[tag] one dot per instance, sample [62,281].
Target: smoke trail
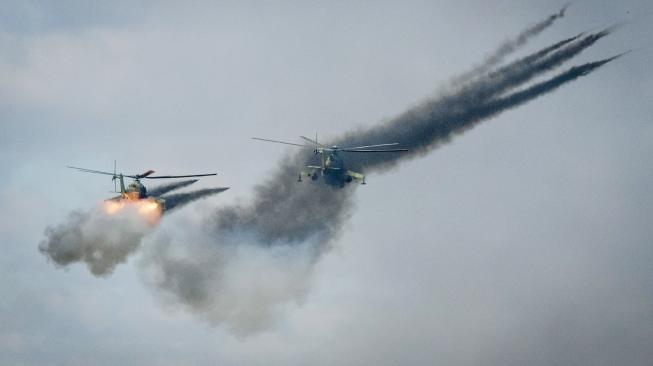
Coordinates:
[177,200]
[233,281]
[287,226]
[438,128]
[509,47]
[168,187]
[517,98]
[242,264]
[434,122]
[101,241]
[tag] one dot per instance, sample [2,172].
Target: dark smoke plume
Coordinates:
[509,47]
[436,121]
[169,187]
[243,263]
[177,200]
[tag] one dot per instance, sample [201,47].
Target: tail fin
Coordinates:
[119,177]
[115,189]
[122,184]
[322,157]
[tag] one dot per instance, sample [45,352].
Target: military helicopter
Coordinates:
[136,192]
[332,167]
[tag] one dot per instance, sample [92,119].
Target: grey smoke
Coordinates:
[436,121]
[99,240]
[177,200]
[215,267]
[508,47]
[169,187]
[237,282]
[241,265]
[104,241]
[500,104]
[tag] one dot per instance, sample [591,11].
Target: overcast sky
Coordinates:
[527,240]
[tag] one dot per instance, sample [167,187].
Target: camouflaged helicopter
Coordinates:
[332,167]
[136,192]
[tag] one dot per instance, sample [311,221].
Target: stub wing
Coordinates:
[311,171]
[355,175]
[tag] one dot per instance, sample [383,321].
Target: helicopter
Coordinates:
[136,193]
[332,167]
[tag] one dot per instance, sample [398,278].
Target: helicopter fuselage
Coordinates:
[332,169]
[135,191]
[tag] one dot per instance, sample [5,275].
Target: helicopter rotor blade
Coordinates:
[314,142]
[145,175]
[374,151]
[278,142]
[366,146]
[178,176]
[149,172]
[90,170]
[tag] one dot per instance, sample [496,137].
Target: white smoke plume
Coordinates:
[106,236]
[99,240]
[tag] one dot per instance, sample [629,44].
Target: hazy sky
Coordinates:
[527,240]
